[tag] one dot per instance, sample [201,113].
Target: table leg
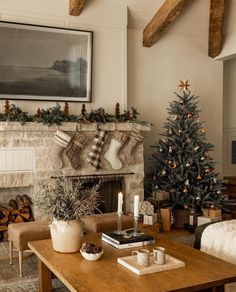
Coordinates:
[45,277]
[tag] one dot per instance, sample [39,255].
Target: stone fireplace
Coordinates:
[30,145]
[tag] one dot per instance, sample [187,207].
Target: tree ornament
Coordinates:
[203,158]
[170,131]
[185,190]
[66,109]
[174,165]
[163,172]
[189,115]
[179,131]
[184,85]
[170,149]
[187,164]
[198,198]
[214,180]
[199,177]
[187,182]
[161,150]
[196,148]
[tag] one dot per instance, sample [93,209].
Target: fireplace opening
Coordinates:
[109,190]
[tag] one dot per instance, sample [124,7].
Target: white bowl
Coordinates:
[91,256]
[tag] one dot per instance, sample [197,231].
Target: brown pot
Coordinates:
[181,218]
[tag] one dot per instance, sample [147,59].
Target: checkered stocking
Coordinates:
[77,144]
[94,155]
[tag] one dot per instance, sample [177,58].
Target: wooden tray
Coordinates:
[131,264]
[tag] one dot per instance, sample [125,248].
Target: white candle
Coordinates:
[136,203]
[120,202]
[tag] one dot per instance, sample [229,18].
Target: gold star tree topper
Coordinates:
[184,85]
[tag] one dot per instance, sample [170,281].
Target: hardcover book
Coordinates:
[123,241]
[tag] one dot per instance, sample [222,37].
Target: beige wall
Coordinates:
[154,73]
[229,116]
[108,20]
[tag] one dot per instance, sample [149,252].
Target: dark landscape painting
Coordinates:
[44,63]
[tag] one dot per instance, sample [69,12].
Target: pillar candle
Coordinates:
[136,203]
[120,202]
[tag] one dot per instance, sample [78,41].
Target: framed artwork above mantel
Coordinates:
[45,63]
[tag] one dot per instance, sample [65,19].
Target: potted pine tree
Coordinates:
[182,164]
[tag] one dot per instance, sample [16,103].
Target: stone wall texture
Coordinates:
[40,137]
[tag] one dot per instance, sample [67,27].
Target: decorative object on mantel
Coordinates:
[116,143]
[17,211]
[61,140]
[77,143]
[135,138]
[66,201]
[98,142]
[54,115]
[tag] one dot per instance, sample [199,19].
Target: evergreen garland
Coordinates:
[56,115]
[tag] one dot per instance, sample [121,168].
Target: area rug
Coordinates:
[187,239]
[9,274]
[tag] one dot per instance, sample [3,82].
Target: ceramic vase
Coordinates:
[66,235]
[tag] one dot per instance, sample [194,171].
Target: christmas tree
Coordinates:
[182,162]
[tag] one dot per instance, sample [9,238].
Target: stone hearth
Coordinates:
[40,138]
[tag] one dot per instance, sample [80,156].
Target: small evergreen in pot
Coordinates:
[66,202]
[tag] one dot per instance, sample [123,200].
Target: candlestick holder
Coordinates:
[119,223]
[136,232]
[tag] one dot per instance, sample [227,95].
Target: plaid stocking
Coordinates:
[111,155]
[94,155]
[135,138]
[61,140]
[77,144]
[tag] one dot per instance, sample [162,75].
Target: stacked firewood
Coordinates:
[18,211]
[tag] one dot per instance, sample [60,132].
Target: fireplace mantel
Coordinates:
[39,137]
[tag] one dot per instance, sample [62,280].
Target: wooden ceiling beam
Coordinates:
[164,16]
[216,23]
[76,7]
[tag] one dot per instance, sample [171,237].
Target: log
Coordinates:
[19,202]
[27,201]
[19,219]
[12,203]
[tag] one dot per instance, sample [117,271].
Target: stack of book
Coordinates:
[123,241]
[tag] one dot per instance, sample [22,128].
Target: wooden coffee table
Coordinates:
[201,271]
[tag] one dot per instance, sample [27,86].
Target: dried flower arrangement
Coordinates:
[66,199]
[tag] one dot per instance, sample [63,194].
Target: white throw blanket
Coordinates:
[219,240]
